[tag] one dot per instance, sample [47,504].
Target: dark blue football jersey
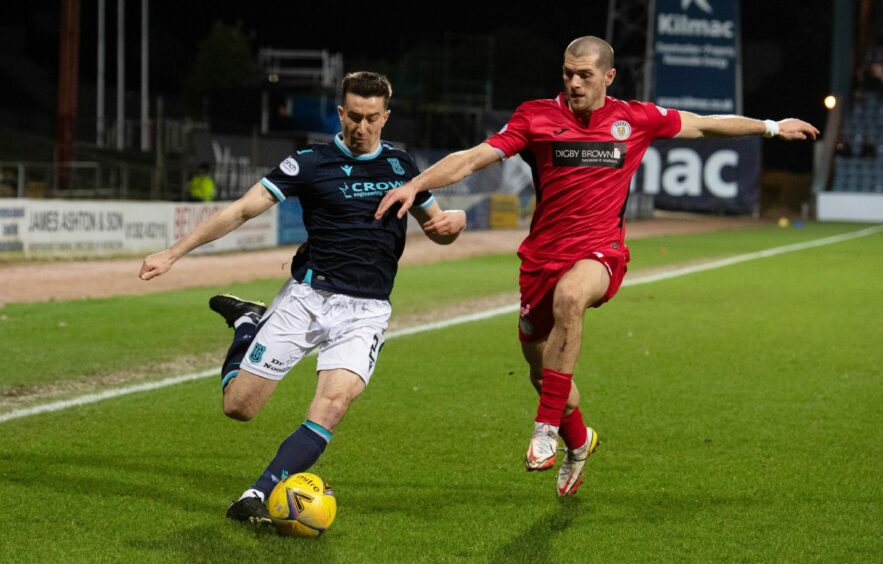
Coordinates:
[347,251]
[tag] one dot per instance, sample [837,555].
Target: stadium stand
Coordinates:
[858,161]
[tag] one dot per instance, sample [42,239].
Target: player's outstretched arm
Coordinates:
[251,204]
[451,169]
[694,126]
[441,226]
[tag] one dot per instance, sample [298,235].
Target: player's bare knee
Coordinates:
[328,411]
[235,408]
[238,413]
[568,306]
[338,407]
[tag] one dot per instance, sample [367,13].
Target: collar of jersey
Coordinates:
[338,140]
[561,100]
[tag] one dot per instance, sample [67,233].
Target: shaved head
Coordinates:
[590,45]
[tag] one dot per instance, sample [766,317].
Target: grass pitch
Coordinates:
[738,409]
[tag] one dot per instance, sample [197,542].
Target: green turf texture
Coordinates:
[106,336]
[739,411]
[75,340]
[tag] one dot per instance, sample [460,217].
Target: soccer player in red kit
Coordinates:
[583,148]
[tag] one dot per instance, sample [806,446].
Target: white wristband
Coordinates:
[772,128]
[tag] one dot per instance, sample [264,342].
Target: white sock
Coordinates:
[538,427]
[241,320]
[251,492]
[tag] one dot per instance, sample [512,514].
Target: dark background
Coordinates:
[786,45]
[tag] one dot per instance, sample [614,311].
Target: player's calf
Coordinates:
[297,453]
[336,389]
[245,395]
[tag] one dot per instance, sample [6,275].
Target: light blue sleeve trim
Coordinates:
[428,202]
[273,189]
[319,430]
[308,277]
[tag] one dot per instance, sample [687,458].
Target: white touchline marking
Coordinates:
[107,394]
[711,265]
[633,281]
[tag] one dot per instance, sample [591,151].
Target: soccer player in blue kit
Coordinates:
[338,296]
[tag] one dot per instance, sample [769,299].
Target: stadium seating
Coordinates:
[858,166]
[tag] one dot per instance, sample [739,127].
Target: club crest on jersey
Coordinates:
[621,130]
[396,166]
[289,166]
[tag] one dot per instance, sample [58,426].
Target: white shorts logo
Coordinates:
[289,166]
[621,130]
[348,332]
[662,111]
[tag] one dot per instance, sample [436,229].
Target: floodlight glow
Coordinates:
[830,102]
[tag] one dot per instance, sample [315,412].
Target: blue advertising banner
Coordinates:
[715,175]
[696,56]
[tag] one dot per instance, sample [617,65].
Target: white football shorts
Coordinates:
[347,330]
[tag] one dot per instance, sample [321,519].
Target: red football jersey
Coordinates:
[581,171]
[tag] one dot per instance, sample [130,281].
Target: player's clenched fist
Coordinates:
[156,264]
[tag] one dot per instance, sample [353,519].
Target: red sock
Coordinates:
[573,430]
[553,397]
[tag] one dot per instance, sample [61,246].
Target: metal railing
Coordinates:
[117,181]
[175,134]
[86,179]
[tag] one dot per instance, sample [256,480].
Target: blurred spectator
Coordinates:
[868,150]
[842,148]
[876,72]
[202,186]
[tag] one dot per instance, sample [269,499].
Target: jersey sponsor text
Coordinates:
[588,153]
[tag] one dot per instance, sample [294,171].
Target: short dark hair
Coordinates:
[591,45]
[366,84]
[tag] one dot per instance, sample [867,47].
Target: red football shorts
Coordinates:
[537,280]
